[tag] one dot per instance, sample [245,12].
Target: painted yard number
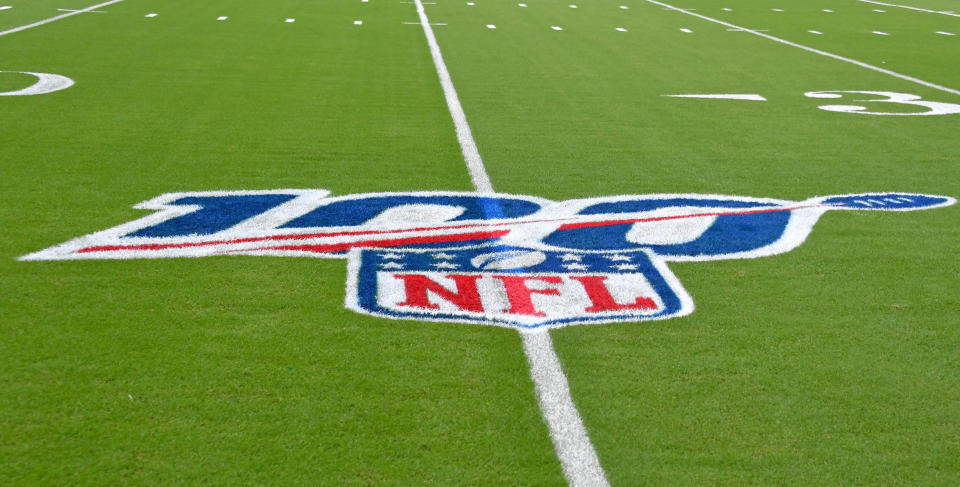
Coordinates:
[875,99]
[880,97]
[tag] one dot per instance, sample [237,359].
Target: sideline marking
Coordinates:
[944,33]
[478,173]
[570,440]
[813,50]
[58,17]
[941,12]
[722,97]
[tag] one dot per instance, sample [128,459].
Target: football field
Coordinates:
[485,242]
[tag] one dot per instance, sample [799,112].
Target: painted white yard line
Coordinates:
[952,14]
[577,457]
[813,50]
[570,440]
[478,173]
[58,17]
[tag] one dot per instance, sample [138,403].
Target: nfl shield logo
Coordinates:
[513,287]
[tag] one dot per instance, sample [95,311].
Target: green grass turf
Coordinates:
[239,370]
[832,364]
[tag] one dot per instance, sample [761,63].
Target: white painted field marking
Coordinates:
[573,6]
[290,21]
[478,173]
[554,27]
[918,9]
[621,29]
[577,457]
[879,33]
[491,26]
[222,17]
[750,97]
[522,5]
[574,449]
[813,50]
[742,30]
[58,17]
[943,33]
[5,7]
[81,12]
[686,30]
[46,83]
[727,9]
[777,9]
[151,15]
[817,32]
[827,10]
[886,97]
[357,22]
[879,10]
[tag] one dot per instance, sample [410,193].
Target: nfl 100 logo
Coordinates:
[496,259]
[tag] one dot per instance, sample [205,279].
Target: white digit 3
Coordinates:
[46,83]
[934,107]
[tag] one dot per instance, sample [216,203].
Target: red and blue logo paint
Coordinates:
[496,259]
